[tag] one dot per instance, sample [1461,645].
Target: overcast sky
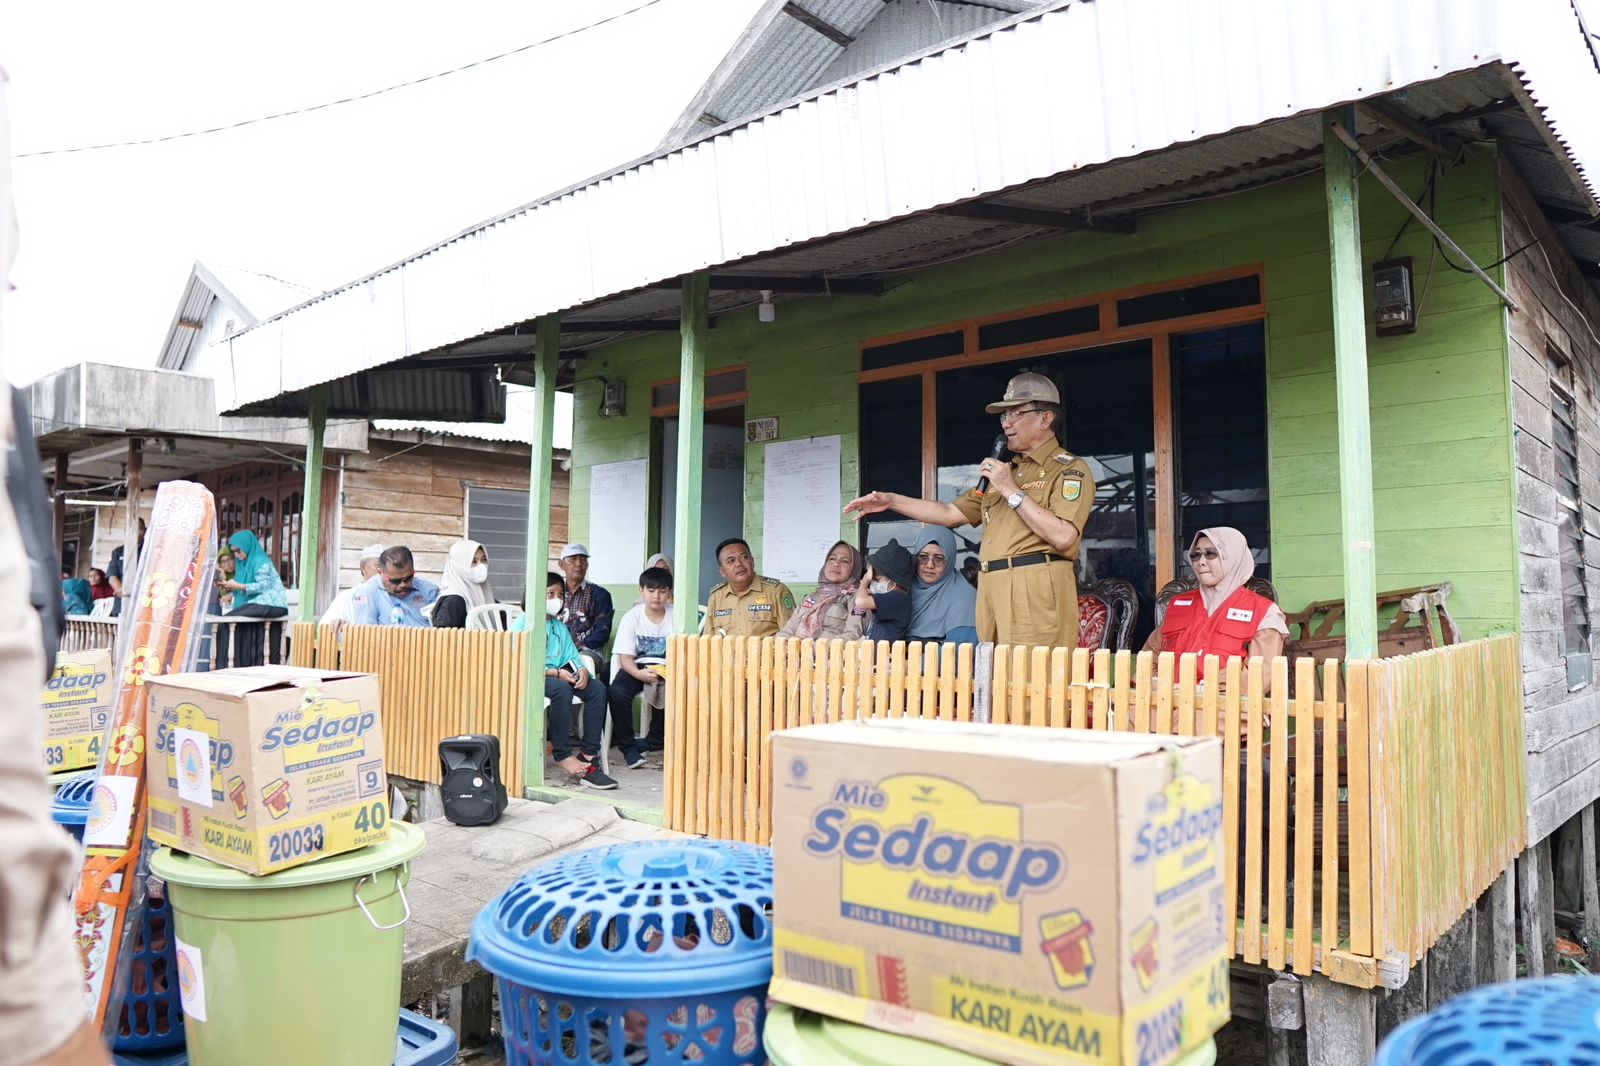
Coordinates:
[108,237]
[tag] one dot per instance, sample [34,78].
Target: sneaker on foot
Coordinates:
[634,759]
[593,778]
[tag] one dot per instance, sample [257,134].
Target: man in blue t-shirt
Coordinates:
[395,595]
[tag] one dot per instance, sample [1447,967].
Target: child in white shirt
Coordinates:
[640,644]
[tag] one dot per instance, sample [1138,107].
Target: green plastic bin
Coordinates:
[800,1038]
[301,966]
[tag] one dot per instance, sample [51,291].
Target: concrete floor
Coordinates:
[638,790]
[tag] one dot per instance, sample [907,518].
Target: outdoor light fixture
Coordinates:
[767,312]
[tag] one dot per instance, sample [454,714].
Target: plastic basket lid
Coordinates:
[1520,1023]
[651,919]
[421,1042]
[71,805]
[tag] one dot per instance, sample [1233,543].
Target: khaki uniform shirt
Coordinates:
[760,611]
[1036,604]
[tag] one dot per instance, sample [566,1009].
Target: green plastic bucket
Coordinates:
[301,966]
[800,1038]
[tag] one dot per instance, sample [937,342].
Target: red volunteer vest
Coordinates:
[1188,628]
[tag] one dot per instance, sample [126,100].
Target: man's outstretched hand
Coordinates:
[871,503]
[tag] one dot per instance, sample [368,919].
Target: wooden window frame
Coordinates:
[732,399]
[1158,333]
[1562,393]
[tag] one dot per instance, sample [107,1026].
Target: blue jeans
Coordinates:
[561,694]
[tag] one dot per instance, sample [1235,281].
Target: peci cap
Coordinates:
[574,549]
[1026,388]
[895,563]
[372,552]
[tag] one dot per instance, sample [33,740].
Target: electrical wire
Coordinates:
[294,112]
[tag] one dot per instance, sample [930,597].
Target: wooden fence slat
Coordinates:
[1019,685]
[947,682]
[1357,745]
[763,744]
[1122,682]
[930,679]
[1166,677]
[1305,814]
[1231,798]
[964,683]
[1000,704]
[1078,691]
[1206,725]
[1142,692]
[1060,685]
[910,682]
[1328,714]
[1099,692]
[1187,667]
[1278,847]
[897,679]
[672,730]
[1255,804]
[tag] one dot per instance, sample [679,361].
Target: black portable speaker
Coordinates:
[470,784]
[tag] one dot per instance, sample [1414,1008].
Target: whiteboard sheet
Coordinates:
[618,510]
[801,516]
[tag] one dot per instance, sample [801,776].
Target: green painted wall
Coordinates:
[1441,444]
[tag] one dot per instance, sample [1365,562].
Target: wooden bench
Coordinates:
[1421,621]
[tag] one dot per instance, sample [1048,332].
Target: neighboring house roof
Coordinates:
[792,46]
[1081,115]
[233,298]
[516,429]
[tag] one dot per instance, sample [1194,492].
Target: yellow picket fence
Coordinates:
[1331,860]
[436,683]
[1449,785]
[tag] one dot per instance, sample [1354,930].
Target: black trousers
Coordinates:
[253,640]
[625,688]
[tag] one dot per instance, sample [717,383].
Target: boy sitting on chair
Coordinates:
[639,653]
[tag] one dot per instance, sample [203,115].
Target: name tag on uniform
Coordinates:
[1239,614]
[1183,603]
[756,608]
[725,612]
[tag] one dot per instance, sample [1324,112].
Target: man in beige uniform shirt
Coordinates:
[745,604]
[42,1008]
[1032,517]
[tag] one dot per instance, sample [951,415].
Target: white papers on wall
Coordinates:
[619,502]
[800,518]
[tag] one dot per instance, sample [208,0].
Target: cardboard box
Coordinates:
[1028,895]
[76,702]
[266,767]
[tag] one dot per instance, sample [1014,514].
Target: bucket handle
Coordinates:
[400,884]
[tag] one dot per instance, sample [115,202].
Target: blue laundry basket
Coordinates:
[1553,1020]
[421,1042]
[658,952]
[152,1012]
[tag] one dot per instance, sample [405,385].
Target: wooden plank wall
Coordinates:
[1563,727]
[436,683]
[402,494]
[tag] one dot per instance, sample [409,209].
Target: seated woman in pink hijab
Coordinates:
[1222,617]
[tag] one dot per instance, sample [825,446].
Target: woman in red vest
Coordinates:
[1222,617]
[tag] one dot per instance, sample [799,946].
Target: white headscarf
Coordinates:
[457,577]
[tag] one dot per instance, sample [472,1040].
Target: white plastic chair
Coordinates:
[577,719]
[102,608]
[493,617]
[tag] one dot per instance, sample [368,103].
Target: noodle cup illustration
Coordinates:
[1068,948]
[238,796]
[1143,953]
[275,797]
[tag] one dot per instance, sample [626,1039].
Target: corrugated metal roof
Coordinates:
[516,429]
[244,296]
[1117,98]
[902,28]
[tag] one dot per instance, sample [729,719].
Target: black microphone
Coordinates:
[999,451]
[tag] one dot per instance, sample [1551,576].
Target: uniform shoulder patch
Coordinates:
[787,599]
[717,588]
[1071,488]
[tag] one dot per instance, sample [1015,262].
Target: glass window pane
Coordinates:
[1040,327]
[891,448]
[1195,300]
[915,350]
[1221,408]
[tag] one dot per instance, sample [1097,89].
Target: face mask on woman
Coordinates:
[878,588]
[479,573]
[552,606]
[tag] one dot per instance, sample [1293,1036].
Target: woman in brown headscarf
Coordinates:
[1222,617]
[829,612]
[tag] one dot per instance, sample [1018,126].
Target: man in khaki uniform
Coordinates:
[1032,517]
[745,604]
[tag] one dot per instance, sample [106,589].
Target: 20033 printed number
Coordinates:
[295,843]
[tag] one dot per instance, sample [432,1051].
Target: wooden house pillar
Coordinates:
[546,362]
[693,326]
[1350,382]
[311,502]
